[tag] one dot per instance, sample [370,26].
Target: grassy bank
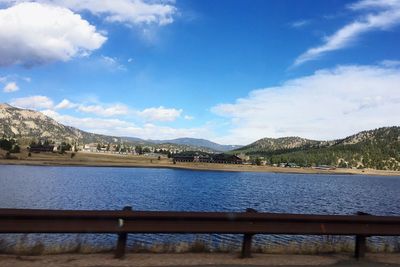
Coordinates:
[328,245]
[116,160]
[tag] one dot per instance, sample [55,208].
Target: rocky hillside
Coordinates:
[24,124]
[27,125]
[378,149]
[198,143]
[283,144]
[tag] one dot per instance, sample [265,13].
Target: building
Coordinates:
[183,158]
[90,147]
[204,157]
[227,159]
[292,165]
[41,148]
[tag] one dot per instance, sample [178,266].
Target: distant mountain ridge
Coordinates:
[197,143]
[29,124]
[378,149]
[279,144]
[25,124]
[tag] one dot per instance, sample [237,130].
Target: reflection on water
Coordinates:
[185,190]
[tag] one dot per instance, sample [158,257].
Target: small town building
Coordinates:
[210,158]
[227,159]
[90,147]
[183,158]
[42,148]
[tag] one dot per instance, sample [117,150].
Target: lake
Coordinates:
[186,190]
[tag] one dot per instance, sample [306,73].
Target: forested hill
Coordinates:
[377,149]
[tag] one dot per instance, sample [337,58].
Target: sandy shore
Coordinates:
[191,259]
[115,160]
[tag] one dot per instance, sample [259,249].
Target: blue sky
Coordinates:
[229,71]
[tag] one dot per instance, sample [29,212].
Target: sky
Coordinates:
[228,71]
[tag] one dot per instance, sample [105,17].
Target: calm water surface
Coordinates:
[185,190]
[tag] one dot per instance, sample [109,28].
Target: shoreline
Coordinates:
[129,161]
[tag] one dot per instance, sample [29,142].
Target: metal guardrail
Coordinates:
[248,223]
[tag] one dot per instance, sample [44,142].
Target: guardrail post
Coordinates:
[247,240]
[361,246]
[361,242]
[122,238]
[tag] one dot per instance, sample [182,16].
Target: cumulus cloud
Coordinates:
[65,104]
[96,125]
[329,104]
[99,121]
[131,12]
[10,87]
[33,102]
[160,114]
[380,15]
[112,110]
[36,33]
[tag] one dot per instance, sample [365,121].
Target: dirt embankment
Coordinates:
[195,259]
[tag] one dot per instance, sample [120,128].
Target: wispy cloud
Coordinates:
[300,23]
[378,15]
[390,63]
[112,63]
[188,117]
[10,87]
[329,104]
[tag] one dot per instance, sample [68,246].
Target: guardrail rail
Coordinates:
[247,223]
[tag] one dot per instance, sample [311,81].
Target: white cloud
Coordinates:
[116,127]
[300,23]
[112,63]
[160,114]
[10,87]
[328,104]
[372,4]
[390,63]
[35,33]
[131,12]
[33,102]
[188,117]
[96,125]
[65,104]
[163,132]
[386,14]
[113,126]
[113,110]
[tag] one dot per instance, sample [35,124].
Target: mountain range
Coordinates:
[25,125]
[378,148]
